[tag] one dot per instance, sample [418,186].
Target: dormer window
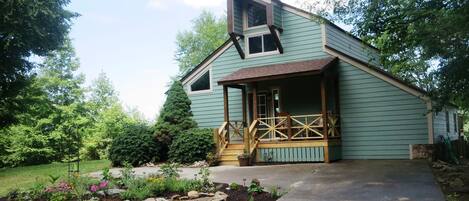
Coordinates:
[261,44]
[256,14]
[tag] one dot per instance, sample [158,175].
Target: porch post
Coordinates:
[225,104]
[324,106]
[243,97]
[324,116]
[254,101]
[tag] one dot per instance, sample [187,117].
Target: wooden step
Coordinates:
[232,151]
[231,162]
[231,157]
[235,146]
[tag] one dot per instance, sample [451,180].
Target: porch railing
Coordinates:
[299,127]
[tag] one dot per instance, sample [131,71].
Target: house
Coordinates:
[289,86]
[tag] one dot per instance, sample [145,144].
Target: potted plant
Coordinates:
[244,159]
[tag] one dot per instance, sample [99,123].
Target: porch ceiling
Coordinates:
[277,71]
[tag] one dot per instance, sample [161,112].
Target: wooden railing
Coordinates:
[299,127]
[252,140]
[225,132]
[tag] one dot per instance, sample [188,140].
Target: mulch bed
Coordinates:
[453,179]
[241,194]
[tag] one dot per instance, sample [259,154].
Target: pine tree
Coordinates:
[175,116]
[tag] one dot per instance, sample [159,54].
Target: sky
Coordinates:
[133,42]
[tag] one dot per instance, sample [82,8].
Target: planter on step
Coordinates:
[244,160]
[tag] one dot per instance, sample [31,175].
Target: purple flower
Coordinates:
[103,184]
[94,188]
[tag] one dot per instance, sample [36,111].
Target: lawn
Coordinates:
[24,177]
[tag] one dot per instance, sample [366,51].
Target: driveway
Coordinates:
[358,180]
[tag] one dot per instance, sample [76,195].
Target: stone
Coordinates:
[184,198]
[161,199]
[175,197]
[115,191]
[150,199]
[219,196]
[456,183]
[193,194]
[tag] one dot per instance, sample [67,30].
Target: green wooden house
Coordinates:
[289,86]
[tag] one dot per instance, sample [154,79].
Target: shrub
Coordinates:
[191,146]
[137,189]
[170,170]
[181,185]
[136,146]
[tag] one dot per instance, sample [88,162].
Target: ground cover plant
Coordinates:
[30,176]
[166,184]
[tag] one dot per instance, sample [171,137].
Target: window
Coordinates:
[202,83]
[257,14]
[447,122]
[455,122]
[262,43]
[276,102]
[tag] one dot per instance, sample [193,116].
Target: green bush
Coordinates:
[191,146]
[136,146]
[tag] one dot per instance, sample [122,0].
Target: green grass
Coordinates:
[25,177]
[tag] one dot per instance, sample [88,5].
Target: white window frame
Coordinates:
[245,18]
[189,89]
[246,42]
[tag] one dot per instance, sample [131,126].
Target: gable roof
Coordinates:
[307,14]
[277,71]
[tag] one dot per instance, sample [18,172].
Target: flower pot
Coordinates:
[244,161]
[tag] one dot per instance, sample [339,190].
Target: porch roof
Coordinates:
[277,71]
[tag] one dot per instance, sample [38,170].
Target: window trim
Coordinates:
[455,122]
[246,44]
[448,129]
[189,89]
[245,18]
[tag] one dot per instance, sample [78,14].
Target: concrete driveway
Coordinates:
[358,180]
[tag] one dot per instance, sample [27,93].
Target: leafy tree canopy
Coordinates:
[193,46]
[27,28]
[426,42]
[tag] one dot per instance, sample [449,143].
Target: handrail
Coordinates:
[253,141]
[222,138]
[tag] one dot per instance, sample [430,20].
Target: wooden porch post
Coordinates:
[243,97]
[254,101]
[225,104]
[324,116]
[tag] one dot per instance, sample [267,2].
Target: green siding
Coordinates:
[238,16]
[347,44]
[301,40]
[439,124]
[378,120]
[277,16]
[289,155]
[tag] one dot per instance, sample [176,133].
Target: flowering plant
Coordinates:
[103,185]
[61,187]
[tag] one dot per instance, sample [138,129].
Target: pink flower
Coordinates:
[103,184]
[94,188]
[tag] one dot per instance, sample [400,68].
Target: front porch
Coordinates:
[290,113]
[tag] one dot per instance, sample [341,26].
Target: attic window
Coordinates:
[261,43]
[257,14]
[202,83]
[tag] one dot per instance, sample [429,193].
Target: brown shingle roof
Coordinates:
[276,71]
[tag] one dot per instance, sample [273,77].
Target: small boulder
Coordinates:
[175,197]
[150,199]
[456,183]
[219,196]
[193,194]
[161,199]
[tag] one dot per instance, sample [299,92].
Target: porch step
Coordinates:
[230,154]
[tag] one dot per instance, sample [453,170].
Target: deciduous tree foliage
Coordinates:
[207,34]
[27,28]
[176,115]
[426,42]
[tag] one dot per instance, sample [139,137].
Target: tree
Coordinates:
[26,28]
[175,117]
[424,42]
[207,34]
[103,95]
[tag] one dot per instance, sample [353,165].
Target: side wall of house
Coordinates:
[347,44]
[378,120]
[301,40]
[439,124]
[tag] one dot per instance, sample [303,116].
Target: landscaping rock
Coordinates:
[115,191]
[456,183]
[220,196]
[161,199]
[199,164]
[175,197]
[193,194]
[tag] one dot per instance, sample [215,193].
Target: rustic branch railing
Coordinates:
[222,137]
[307,127]
[273,128]
[253,141]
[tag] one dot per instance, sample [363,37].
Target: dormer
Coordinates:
[262,17]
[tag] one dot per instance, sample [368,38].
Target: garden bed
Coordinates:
[453,179]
